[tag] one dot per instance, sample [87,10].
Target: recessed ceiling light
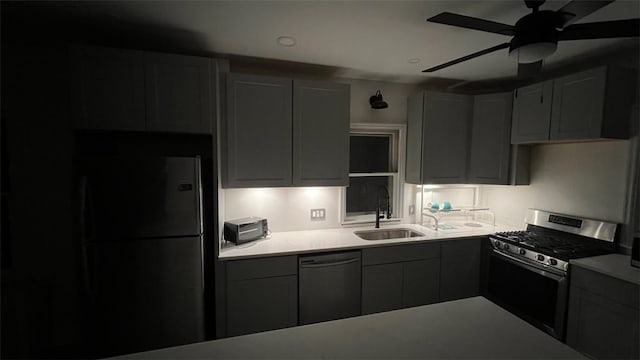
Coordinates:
[286,41]
[414,61]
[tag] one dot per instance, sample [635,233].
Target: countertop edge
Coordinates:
[351,242]
[611,265]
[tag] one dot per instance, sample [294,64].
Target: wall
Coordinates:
[394,94]
[583,179]
[287,209]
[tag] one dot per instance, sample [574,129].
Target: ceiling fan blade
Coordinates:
[529,70]
[468,57]
[577,9]
[601,30]
[468,22]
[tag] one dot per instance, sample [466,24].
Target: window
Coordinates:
[374,172]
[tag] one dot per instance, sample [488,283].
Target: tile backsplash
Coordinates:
[286,209]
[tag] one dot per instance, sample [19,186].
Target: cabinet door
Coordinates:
[445,137]
[421,282]
[413,169]
[601,328]
[381,288]
[532,113]
[107,88]
[578,103]
[320,133]
[258,142]
[490,139]
[178,93]
[460,269]
[256,305]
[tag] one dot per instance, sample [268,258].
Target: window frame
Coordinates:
[397,157]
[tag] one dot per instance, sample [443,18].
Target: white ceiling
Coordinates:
[365,39]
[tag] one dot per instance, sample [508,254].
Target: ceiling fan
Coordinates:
[535,36]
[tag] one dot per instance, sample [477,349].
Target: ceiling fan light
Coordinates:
[530,53]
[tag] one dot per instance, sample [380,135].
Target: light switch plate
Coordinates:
[412,209]
[318,214]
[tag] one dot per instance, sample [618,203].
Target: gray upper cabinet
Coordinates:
[445,137]
[413,169]
[178,93]
[592,104]
[320,133]
[284,132]
[258,131]
[107,89]
[532,113]
[443,121]
[117,89]
[490,139]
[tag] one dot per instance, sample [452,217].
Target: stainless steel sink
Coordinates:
[384,234]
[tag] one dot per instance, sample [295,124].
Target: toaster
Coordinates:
[244,230]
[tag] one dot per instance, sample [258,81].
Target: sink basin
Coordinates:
[384,234]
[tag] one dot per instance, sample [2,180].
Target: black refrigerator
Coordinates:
[142,252]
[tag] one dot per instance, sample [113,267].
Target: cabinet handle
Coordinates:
[541,98]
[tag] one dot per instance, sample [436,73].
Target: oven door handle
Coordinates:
[531,267]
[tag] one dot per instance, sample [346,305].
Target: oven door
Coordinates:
[530,291]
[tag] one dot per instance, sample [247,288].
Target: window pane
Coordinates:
[362,193]
[369,153]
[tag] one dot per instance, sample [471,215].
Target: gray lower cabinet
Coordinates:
[604,316]
[179,93]
[261,294]
[444,120]
[420,282]
[107,88]
[460,269]
[320,133]
[532,113]
[118,89]
[490,139]
[257,148]
[395,277]
[382,287]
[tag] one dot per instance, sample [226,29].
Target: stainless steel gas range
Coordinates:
[527,271]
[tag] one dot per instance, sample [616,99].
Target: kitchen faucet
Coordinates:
[386,194]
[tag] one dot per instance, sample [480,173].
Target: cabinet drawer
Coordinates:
[400,253]
[262,268]
[611,288]
[462,248]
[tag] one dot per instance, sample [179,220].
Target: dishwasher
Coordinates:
[329,286]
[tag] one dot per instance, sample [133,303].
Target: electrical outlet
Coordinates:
[318,214]
[412,209]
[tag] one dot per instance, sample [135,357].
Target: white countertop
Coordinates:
[614,265]
[473,328]
[297,242]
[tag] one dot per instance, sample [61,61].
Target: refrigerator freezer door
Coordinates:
[144,197]
[147,294]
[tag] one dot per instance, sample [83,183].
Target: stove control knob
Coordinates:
[523,251]
[540,258]
[505,246]
[553,261]
[496,243]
